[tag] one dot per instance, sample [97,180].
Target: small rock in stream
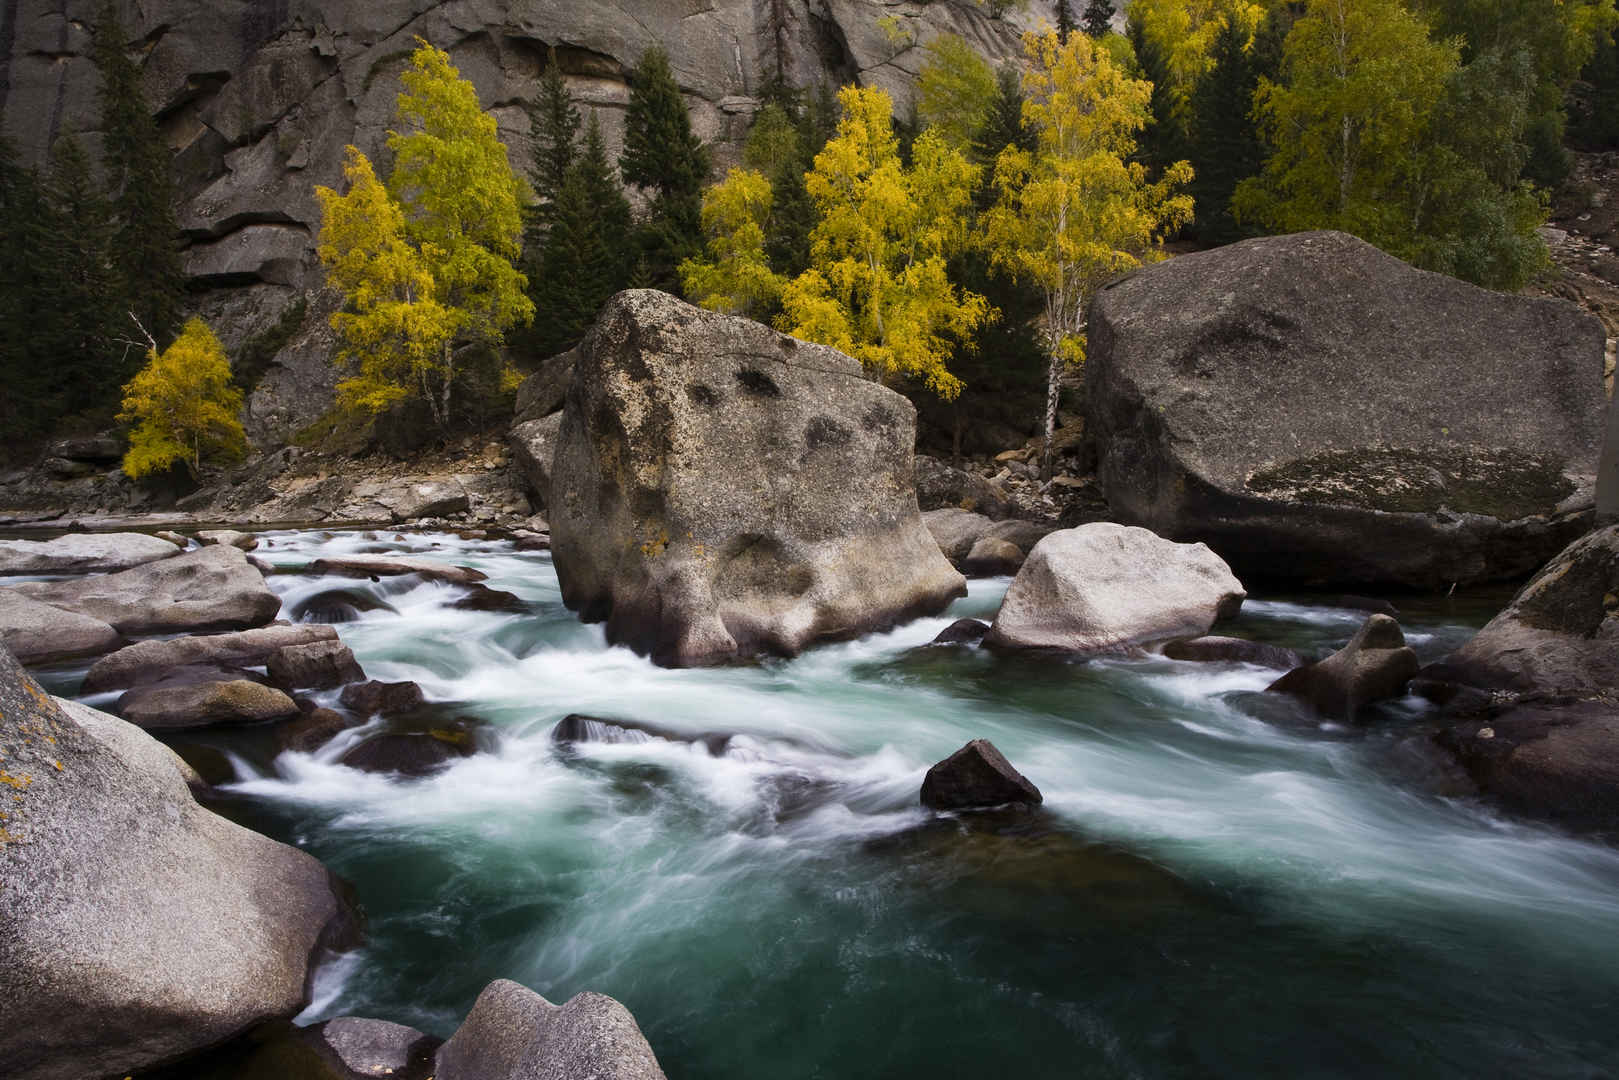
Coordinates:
[975,777]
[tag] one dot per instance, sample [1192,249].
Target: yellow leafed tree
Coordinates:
[736,276]
[1077,211]
[426,264]
[183,406]
[877,287]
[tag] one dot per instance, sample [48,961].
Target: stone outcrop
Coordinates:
[512,1033]
[1110,588]
[534,446]
[212,588]
[1375,665]
[959,531]
[83,553]
[37,633]
[722,491]
[1316,410]
[145,661]
[258,101]
[975,777]
[138,927]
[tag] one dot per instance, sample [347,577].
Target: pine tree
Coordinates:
[589,254]
[555,122]
[1098,17]
[1164,141]
[139,178]
[1065,19]
[25,230]
[661,155]
[1224,146]
[89,363]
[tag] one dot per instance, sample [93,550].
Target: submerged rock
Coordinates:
[513,1033]
[212,588]
[974,777]
[372,697]
[337,606]
[312,730]
[410,754]
[1375,665]
[1233,650]
[1105,588]
[37,633]
[578,728]
[722,491]
[83,553]
[1293,401]
[148,660]
[138,926]
[962,632]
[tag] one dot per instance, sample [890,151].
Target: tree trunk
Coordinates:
[1053,391]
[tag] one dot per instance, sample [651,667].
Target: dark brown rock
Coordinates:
[962,632]
[371,698]
[323,665]
[991,557]
[411,754]
[1233,650]
[381,566]
[312,730]
[974,777]
[1374,666]
[191,705]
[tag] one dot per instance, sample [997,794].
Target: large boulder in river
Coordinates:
[1109,588]
[724,491]
[186,700]
[135,926]
[1319,411]
[212,588]
[976,777]
[83,553]
[1375,665]
[512,1033]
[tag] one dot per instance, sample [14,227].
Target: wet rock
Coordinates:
[83,553]
[962,632]
[229,537]
[1374,666]
[338,606]
[534,444]
[578,728]
[1300,413]
[483,598]
[1233,651]
[412,754]
[147,660]
[379,566]
[138,927]
[388,699]
[376,1048]
[40,634]
[322,665]
[722,491]
[1102,588]
[513,1033]
[312,730]
[990,557]
[212,588]
[174,706]
[974,777]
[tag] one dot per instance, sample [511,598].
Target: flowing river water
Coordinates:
[1216,886]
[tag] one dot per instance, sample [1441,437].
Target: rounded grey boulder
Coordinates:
[1109,588]
[721,491]
[83,553]
[136,926]
[513,1033]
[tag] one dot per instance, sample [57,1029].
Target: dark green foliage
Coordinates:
[1164,141]
[1003,124]
[1224,145]
[786,135]
[661,155]
[1098,14]
[1594,100]
[24,224]
[555,122]
[137,167]
[587,254]
[1065,19]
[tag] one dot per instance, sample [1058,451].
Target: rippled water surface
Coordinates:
[1217,885]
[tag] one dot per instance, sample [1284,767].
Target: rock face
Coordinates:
[37,633]
[534,446]
[1318,411]
[974,777]
[722,491]
[513,1033]
[1375,665]
[259,100]
[146,660]
[82,553]
[1106,588]
[128,903]
[213,588]
[376,1047]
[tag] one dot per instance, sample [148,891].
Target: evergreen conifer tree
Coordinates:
[555,121]
[137,169]
[1098,17]
[1065,19]
[1164,141]
[662,156]
[24,234]
[88,364]
[1224,145]
[587,255]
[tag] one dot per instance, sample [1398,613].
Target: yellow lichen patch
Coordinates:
[655,546]
[15,782]
[58,765]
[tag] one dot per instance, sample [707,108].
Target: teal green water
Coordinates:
[1205,894]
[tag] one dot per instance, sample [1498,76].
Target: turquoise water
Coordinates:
[1215,887]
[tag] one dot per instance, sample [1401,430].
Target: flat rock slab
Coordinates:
[512,1033]
[146,660]
[83,553]
[37,633]
[138,927]
[1318,411]
[213,588]
[379,566]
[1108,588]
[173,708]
[975,777]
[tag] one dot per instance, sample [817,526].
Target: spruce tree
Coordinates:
[89,364]
[1065,19]
[1164,141]
[588,253]
[1224,145]
[662,156]
[138,176]
[555,123]
[25,227]
[1098,17]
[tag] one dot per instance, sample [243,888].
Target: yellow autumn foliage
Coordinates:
[183,406]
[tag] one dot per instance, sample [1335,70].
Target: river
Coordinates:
[1216,886]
